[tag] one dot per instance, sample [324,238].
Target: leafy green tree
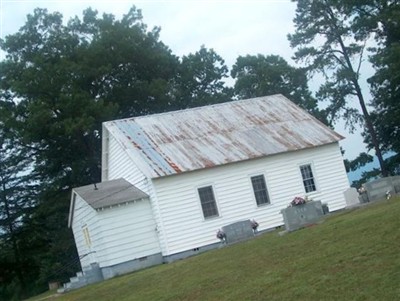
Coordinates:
[200,80]
[57,115]
[383,18]
[18,190]
[123,63]
[69,79]
[379,19]
[325,41]
[265,75]
[64,81]
[373,17]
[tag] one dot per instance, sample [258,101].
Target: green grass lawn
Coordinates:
[352,255]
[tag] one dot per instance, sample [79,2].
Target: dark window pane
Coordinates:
[260,189]
[207,200]
[308,178]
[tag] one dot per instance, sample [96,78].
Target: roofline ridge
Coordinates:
[194,108]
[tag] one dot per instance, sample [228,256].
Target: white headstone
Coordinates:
[351,196]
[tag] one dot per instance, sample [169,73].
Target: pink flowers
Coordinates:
[297,201]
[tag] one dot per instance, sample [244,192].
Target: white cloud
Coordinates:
[232,28]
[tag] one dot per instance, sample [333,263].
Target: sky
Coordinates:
[232,28]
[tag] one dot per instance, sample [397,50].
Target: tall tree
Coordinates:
[68,79]
[325,41]
[200,80]
[265,75]
[17,200]
[124,63]
[381,17]
[64,81]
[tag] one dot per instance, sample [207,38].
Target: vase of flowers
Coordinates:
[221,235]
[254,226]
[297,201]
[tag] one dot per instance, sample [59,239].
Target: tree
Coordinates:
[64,81]
[199,80]
[17,200]
[69,79]
[379,19]
[265,75]
[325,41]
[382,17]
[124,63]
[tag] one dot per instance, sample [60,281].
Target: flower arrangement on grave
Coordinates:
[254,225]
[221,235]
[298,201]
[361,190]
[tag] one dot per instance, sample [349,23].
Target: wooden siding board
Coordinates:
[140,237]
[125,165]
[155,204]
[104,153]
[129,232]
[85,215]
[184,224]
[125,216]
[121,166]
[118,227]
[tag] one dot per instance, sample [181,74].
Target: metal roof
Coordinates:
[110,193]
[187,140]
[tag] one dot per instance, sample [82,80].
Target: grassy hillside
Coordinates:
[353,255]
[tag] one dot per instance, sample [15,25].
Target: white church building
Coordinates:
[171,180]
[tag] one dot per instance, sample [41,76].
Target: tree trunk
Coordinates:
[371,130]
[367,117]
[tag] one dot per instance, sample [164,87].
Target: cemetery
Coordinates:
[303,213]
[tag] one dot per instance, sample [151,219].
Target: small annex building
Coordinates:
[171,180]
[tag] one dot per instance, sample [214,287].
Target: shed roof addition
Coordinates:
[197,138]
[110,193]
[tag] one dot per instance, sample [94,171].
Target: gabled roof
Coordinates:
[105,194]
[109,193]
[192,139]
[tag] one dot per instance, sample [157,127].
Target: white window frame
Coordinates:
[314,177]
[215,201]
[86,236]
[254,192]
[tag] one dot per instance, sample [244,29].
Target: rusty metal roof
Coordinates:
[203,137]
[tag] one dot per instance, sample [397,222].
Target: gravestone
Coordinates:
[396,184]
[238,231]
[299,216]
[363,197]
[377,189]
[351,196]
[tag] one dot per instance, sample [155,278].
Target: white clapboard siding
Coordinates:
[129,232]
[85,216]
[120,164]
[184,226]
